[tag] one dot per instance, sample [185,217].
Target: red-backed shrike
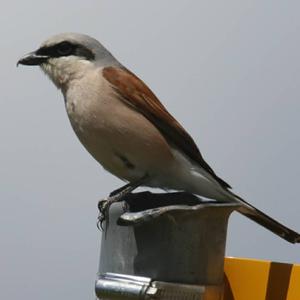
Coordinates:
[125,127]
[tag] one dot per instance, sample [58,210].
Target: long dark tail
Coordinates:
[264,220]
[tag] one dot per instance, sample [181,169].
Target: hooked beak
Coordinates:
[32,59]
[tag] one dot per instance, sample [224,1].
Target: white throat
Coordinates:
[63,70]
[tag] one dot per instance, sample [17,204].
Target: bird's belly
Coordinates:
[113,158]
[122,140]
[116,153]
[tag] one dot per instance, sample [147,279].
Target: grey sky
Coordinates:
[228,70]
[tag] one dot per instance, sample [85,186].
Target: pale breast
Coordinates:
[122,140]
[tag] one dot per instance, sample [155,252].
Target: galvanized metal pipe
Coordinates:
[178,244]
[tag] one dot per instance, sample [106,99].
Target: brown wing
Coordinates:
[135,93]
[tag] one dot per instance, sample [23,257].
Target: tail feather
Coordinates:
[266,221]
[199,181]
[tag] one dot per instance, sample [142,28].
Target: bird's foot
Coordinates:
[116,196]
[104,206]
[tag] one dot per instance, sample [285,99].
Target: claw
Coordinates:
[100,222]
[103,206]
[116,196]
[101,216]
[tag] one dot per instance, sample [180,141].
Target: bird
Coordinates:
[126,128]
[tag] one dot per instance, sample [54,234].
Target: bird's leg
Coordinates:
[117,191]
[115,196]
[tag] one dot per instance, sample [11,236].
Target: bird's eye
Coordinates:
[64,48]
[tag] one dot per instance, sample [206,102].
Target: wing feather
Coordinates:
[135,93]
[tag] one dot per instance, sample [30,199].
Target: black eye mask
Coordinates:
[66,49]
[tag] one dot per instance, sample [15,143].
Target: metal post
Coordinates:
[164,251]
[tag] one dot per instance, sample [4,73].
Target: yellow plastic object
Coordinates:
[249,279]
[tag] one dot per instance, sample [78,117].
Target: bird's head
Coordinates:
[67,56]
